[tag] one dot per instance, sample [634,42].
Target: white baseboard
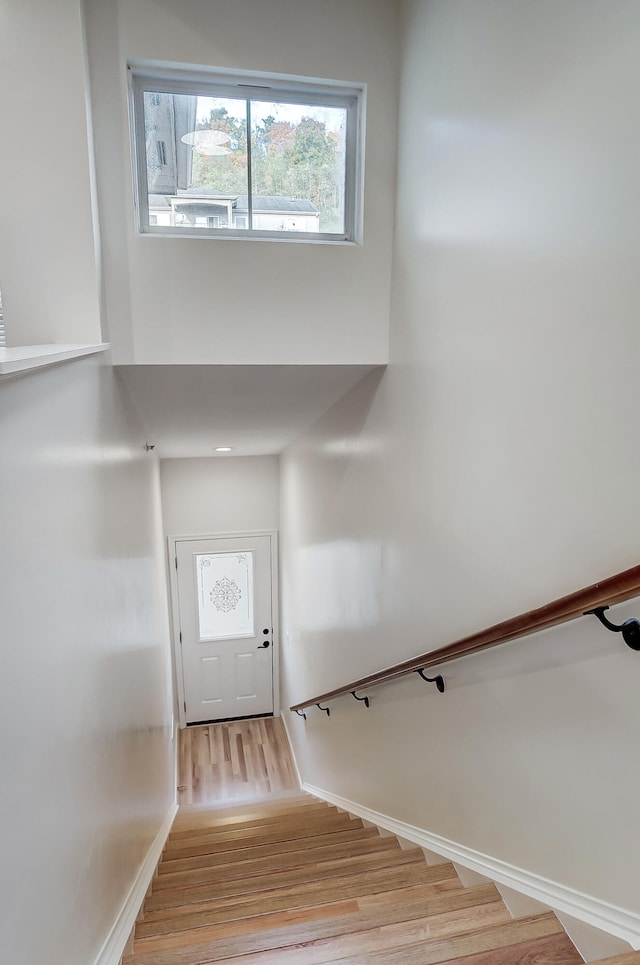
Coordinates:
[293,756]
[616,921]
[176,762]
[113,948]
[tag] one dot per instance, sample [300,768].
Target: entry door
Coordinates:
[225,613]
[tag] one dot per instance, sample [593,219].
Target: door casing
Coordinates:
[175,615]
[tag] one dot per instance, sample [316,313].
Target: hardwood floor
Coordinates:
[289,880]
[240,760]
[256,872]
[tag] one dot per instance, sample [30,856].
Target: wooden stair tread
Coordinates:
[195,815]
[234,841]
[549,950]
[627,958]
[380,939]
[275,849]
[274,863]
[553,950]
[296,896]
[407,893]
[363,914]
[229,934]
[334,875]
[204,913]
[455,947]
[236,832]
[291,880]
[411,898]
[289,846]
[237,822]
[273,878]
[226,944]
[396,935]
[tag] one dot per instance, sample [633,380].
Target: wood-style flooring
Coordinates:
[240,760]
[255,872]
[294,881]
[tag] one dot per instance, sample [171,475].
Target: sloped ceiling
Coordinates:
[188,410]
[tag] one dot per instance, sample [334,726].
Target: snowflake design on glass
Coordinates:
[225,595]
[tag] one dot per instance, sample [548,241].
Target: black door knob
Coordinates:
[263,646]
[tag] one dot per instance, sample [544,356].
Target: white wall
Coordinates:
[493,468]
[48,274]
[219,495]
[206,301]
[85,703]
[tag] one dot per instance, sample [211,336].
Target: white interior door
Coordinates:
[226,626]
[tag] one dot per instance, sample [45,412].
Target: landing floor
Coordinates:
[241,760]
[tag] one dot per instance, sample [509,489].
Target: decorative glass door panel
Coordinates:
[225,595]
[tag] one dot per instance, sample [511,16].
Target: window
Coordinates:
[230,155]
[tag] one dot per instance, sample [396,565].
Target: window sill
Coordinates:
[283,238]
[27,357]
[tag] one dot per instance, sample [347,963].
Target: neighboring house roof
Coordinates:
[261,202]
[275,202]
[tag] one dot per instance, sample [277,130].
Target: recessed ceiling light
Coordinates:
[223,449]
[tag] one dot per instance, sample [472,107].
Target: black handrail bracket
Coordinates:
[630,629]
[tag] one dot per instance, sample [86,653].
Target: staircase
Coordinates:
[294,880]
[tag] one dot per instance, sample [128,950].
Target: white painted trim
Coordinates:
[175,629]
[621,922]
[113,948]
[275,600]
[176,759]
[238,534]
[26,357]
[175,611]
[293,756]
[215,82]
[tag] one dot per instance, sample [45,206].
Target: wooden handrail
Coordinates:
[616,589]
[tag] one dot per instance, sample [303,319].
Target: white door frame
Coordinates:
[175,613]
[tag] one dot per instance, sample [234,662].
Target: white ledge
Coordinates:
[25,357]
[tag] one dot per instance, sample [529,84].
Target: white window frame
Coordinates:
[167,78]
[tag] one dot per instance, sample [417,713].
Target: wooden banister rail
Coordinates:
[616,589]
